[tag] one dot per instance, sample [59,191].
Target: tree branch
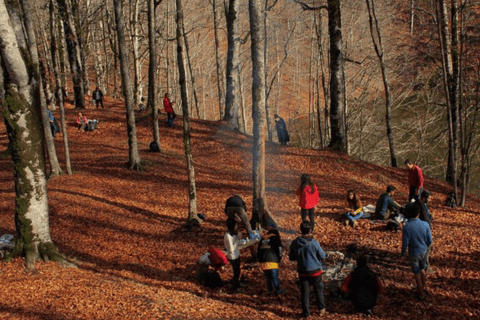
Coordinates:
[309,7]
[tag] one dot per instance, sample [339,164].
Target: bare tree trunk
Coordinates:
[65,9]
[220,94]
[26,144]
[152,68]
[337,78]
[258,110]
[55,168]
[137,67]
[233,38]
[58,85]
[192,190]
[377,43]
[134,162]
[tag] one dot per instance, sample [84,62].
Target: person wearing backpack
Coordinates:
[307,192]
[269,254]
[231,241]
[309,256]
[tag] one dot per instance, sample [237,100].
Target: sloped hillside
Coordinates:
[124,230]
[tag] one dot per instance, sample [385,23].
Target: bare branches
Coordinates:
[306,6]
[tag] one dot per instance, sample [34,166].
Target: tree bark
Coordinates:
[22,118]
[337,78]
[192,190]
[134,162]
[220,94]
[257,28]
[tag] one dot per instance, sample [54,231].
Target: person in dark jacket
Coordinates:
[386,204]
[309,256]
[269,254]
[235,206]
[427,217]
[363,286]
[97,95]
[282,132]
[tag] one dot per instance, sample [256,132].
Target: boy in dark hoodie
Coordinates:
[309,256]
[269,254]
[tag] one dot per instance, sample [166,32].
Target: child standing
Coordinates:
[231,241]
[269,254]
[309,198]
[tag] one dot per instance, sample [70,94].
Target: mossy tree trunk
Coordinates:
[20,111]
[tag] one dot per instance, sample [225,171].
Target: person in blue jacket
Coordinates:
[309,256]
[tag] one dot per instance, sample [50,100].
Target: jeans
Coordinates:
[311,216]
[351,217]
[273,284]
[411,194]
[318,287]
[170,118]
[236,272]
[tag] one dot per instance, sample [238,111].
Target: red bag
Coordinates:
[217,257]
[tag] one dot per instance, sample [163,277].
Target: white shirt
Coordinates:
[231,245]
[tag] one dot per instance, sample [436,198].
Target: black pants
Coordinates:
[236,272]
[99,102]
[311,216]
[318,287]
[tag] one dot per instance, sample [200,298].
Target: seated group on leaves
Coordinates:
[83,124]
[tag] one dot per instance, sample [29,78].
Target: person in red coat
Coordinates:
[309,198]
[168,107]
[415,181]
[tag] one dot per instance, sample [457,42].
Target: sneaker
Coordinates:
[305,315]
[322,311]
[280,292]
[369,313]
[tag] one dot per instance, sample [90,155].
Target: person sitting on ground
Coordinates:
[417,237]
[363,286]
[355,208]
[308,198]
[231,241]
[386,204]
[269,254]
[236,207]
[309,256]
[81,122]
[415,181]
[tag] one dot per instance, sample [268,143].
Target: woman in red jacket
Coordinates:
[309,198]
[168,107]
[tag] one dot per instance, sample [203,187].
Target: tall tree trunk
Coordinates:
[65,9]
[192,190]
[55,168]
[137,66]
[26,144]
[220,94]
[337,78]
[233,39]
[260,206]
[377,43]
[152,68]
[134,162]
[58,85]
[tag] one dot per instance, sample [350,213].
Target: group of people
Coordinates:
[362,286]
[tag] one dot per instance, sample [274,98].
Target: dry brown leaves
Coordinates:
[124,230]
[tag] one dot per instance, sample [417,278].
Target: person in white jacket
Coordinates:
[231,241]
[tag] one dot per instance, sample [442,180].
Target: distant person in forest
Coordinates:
[235,208]
[269,254]
[231,241]
[363,286]
[97,96]
[308,195]
[54,127]
[142,107]
[385,204]
[415,181]
[309,256]
[168,107]
[282,132]
[355,208]
[417,237]
[82,121]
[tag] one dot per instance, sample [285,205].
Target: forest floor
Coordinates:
[135,261]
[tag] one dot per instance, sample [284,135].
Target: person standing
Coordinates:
[417,237]
[97,95]
[427,217]
[51,120]
[308,198]
[309,256]
[269,254]
[282,132]
[168,107]
[415,181]
[231,242]
[236,207]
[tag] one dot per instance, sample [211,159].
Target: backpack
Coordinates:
[154,147]
[217,257]
[213,280]
[392,225]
